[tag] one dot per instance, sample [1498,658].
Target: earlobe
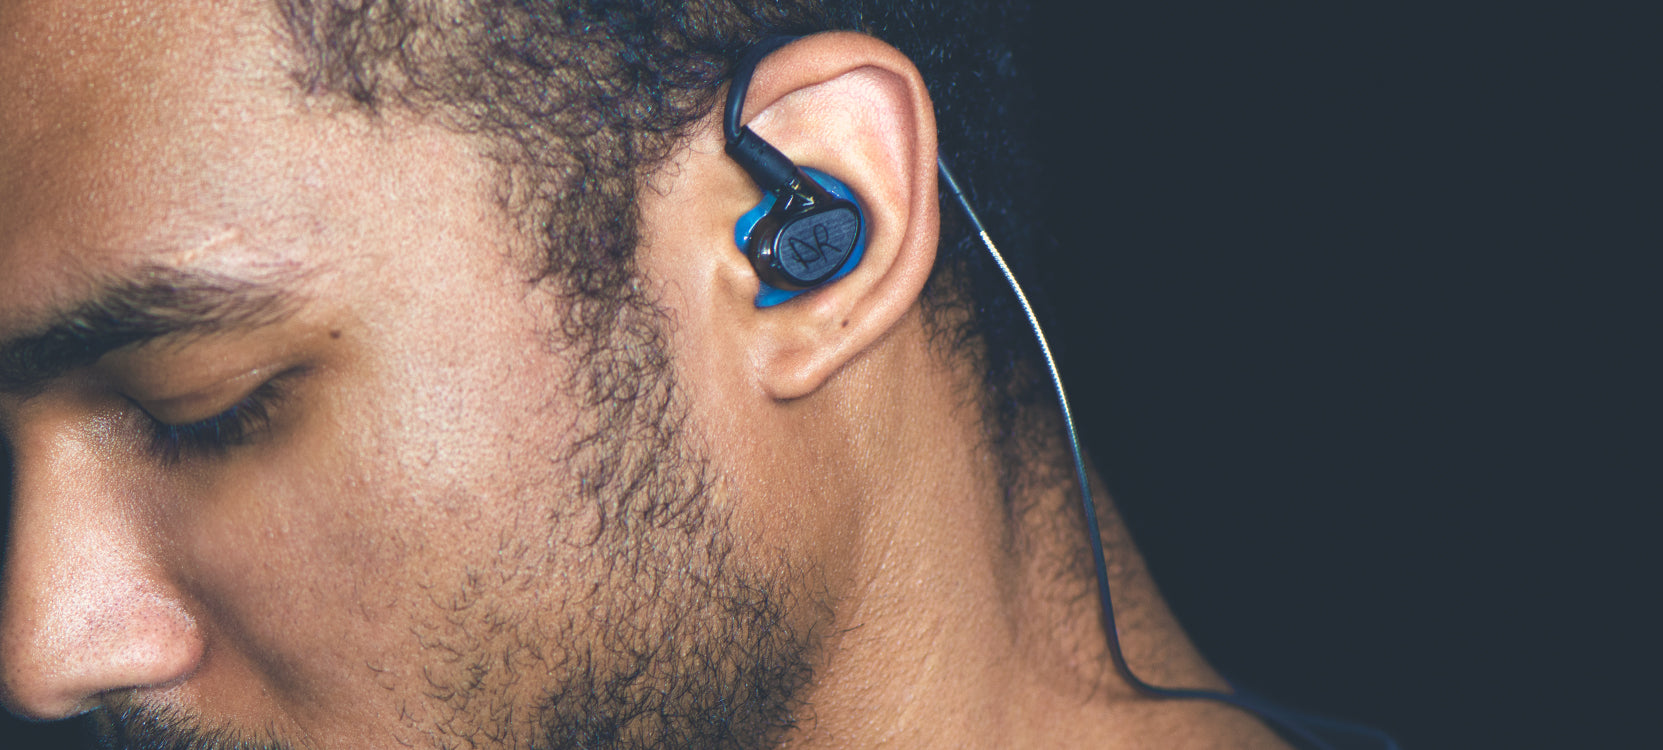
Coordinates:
[849,106]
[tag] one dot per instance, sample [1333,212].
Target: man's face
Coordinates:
[336,484]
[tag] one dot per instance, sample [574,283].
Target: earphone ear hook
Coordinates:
[769,168]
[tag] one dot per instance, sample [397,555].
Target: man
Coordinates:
[386,375]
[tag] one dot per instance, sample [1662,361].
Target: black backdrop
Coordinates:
[1354,307]
[1352,303]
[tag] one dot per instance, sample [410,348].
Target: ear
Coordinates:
[848,105]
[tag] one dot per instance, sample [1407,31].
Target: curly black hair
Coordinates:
[580,98]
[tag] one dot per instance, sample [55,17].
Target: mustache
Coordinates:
[127,725]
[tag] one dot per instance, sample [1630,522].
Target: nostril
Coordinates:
[35,702]
[65,647]
[86,607]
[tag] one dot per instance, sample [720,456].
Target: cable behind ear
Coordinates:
[809,230]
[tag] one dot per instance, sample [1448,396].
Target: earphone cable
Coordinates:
[1294,722]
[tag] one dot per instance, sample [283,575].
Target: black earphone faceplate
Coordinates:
[806,238]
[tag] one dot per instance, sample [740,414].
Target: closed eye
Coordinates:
[244,422]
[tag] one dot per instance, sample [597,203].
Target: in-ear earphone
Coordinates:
[809,229]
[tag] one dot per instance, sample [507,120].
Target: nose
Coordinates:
[85,610]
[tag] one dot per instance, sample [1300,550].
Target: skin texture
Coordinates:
[433,539]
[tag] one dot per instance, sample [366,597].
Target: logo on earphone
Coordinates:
[814,253]
[819,243]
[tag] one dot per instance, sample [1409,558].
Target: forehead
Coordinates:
[131,133]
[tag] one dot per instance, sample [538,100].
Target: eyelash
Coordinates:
[239,425]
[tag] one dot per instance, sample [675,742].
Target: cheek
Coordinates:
[333,559]
[310,574]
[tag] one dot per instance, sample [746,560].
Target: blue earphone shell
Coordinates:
[768,296]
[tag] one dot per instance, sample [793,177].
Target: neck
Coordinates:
[972,618]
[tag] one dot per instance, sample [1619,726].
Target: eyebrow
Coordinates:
[154,303]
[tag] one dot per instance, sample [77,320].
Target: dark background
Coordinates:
[1351,296]
[1355,309]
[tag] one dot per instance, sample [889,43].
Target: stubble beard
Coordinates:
[679,641]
